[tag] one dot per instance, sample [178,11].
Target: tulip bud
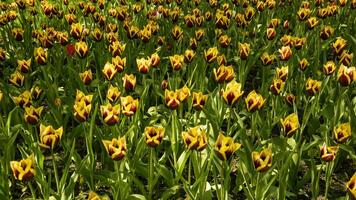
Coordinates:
[244,50]
[17,79]
[329,68]
[24,65]
[282,73]
[285,53]
[183,93]
[113,94]
[119,63]
[81,48]
[346,75]
[23,100]
[143,65]
[303,64]
[86,77]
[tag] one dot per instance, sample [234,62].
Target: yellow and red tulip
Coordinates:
[153,135]
[225,147]
[23,170]
[116,148]
[195,138]
[262,160]
[342,132]
[290,124]
[50,137]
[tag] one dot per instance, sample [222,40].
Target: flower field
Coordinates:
[177,99]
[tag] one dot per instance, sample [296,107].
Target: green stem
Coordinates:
[55,170]
[257,184]
[329,169]
[33,192]
[150,181]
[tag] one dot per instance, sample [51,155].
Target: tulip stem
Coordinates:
[33,192]
[328,173]
[257,184]
[189,170]
[150,181]
[55,170]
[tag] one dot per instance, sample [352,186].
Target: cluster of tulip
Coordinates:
[201,99]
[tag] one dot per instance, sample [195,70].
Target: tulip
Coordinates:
[189,55]
[49,137]
[199,34]
[36,92]
[143,65]
[312,86]
[312,22]
[24,99]
[298,43]
[24,65]
[81,110]
[303,64]
[328,153]
[81,48]
[199,100]
[113,94]
[221,60]
[17,33]
[116,48]
[116,148]
[80,96]
[282,73]
[155,60]
[224,40]
[24,170]
[76,29]
[290,98]
[153,135]
[40,55]
[109,71]
[32,114]
[285,53]
[329,67]
[171,99]
[346,57]
[244,50]
[17,79]
[277,86]
[224,73]
[176,61]
[97,35]
[339,45]
[110,113]
[183,93]
[225,147]
[351,186]
[177,33]
[342,133]
[94,196]
[195,138]
[303,13]
[86,77]
[326,32]
[267,59]
[262,160]
[271,33]
[287,40]
[129,81]
[119,63]
[2,54]
[232,92]
[254,101]
[129,105]
[290,124]
[211,54]
[346,75]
